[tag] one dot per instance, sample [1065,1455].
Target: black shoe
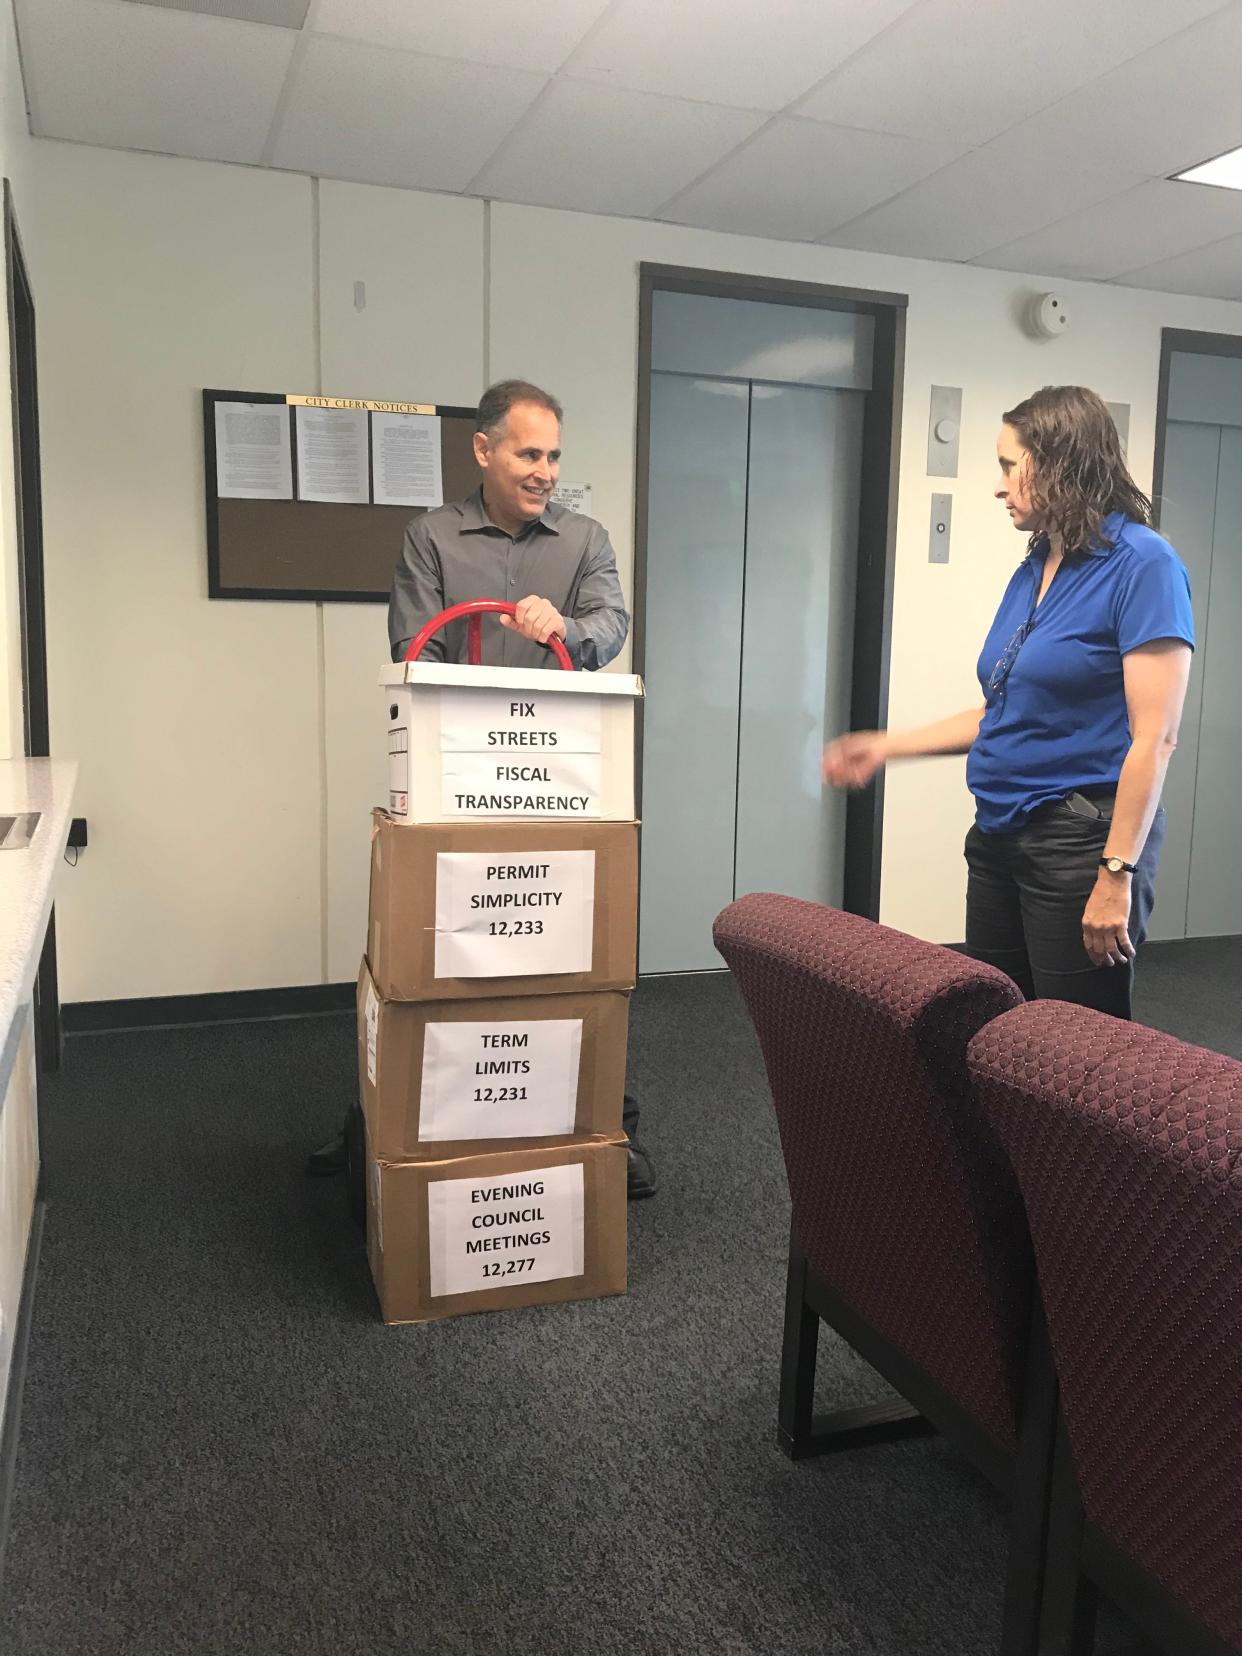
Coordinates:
[640,1179]
[329,1158]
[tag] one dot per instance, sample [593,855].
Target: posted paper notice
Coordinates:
[551,785]
[511,914]
[406,463]
[575,497]
[507,1229]
[333,459]
[500,1080]
[252,451]
[525,724]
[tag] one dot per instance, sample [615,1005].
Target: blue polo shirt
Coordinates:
[1059,720]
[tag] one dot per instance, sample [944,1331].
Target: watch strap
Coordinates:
[1122,867]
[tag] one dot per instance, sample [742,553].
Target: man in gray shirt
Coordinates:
[510,541]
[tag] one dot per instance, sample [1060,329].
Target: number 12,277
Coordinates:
[508,1267]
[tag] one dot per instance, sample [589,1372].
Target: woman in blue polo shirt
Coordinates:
[1083,676]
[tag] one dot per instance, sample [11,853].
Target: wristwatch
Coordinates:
[1115,865]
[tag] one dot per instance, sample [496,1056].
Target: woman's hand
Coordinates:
[1106,921]
[852,760]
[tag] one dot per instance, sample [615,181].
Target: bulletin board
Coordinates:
[322,550]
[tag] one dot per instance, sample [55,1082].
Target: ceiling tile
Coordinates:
[1168,108]
[480,31]
[149,78]
[385,117]
[959,69]
[1019,183]
[1214,272]
[281,14]
[1154,221]
[799,179]
[602,149]
[729,51]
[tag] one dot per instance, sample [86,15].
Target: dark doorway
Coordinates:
[31,601]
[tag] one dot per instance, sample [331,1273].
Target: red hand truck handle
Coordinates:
[474,610]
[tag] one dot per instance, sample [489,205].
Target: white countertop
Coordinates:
[26,880]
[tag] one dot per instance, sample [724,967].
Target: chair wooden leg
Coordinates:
[798,1353]
[798,1432]
[1032,1494]
[1067,1626]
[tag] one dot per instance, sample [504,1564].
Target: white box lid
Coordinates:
[542,679]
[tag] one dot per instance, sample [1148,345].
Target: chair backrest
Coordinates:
[1127,1146]
[902,1201]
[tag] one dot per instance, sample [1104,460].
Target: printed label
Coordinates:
[508,914]
[552,785]
[507,1229]
[372,1012]
[518,725]
[500,1080]
[398,769]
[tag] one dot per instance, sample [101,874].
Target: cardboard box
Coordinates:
[464,910]
[509,742]
[484,1233]
[461,1077]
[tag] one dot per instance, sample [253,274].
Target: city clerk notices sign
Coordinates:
[486,742]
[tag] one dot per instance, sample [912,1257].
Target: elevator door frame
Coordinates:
[1180,342]
[877,525]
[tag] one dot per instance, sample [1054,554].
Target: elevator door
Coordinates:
[752,543]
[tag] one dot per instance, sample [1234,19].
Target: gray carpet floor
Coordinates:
[224,1451]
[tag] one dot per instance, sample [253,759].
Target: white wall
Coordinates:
[196,724]
[229,754]
[420,337]
[565,310]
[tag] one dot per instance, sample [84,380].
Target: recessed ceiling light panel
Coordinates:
[1225,171]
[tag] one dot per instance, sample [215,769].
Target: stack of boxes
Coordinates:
[494,997]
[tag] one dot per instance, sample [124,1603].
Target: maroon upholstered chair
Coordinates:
[907,1232]
[1127,1147]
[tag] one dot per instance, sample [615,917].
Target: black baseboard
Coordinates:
[309,1000]
[231,1006]
[17,1368]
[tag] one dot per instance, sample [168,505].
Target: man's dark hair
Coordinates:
[1078,472]
[498,399]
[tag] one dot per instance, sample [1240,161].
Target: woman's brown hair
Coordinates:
[1078,473]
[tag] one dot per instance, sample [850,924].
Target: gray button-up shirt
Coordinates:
[456,552]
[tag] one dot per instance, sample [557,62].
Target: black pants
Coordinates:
[1025,898]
